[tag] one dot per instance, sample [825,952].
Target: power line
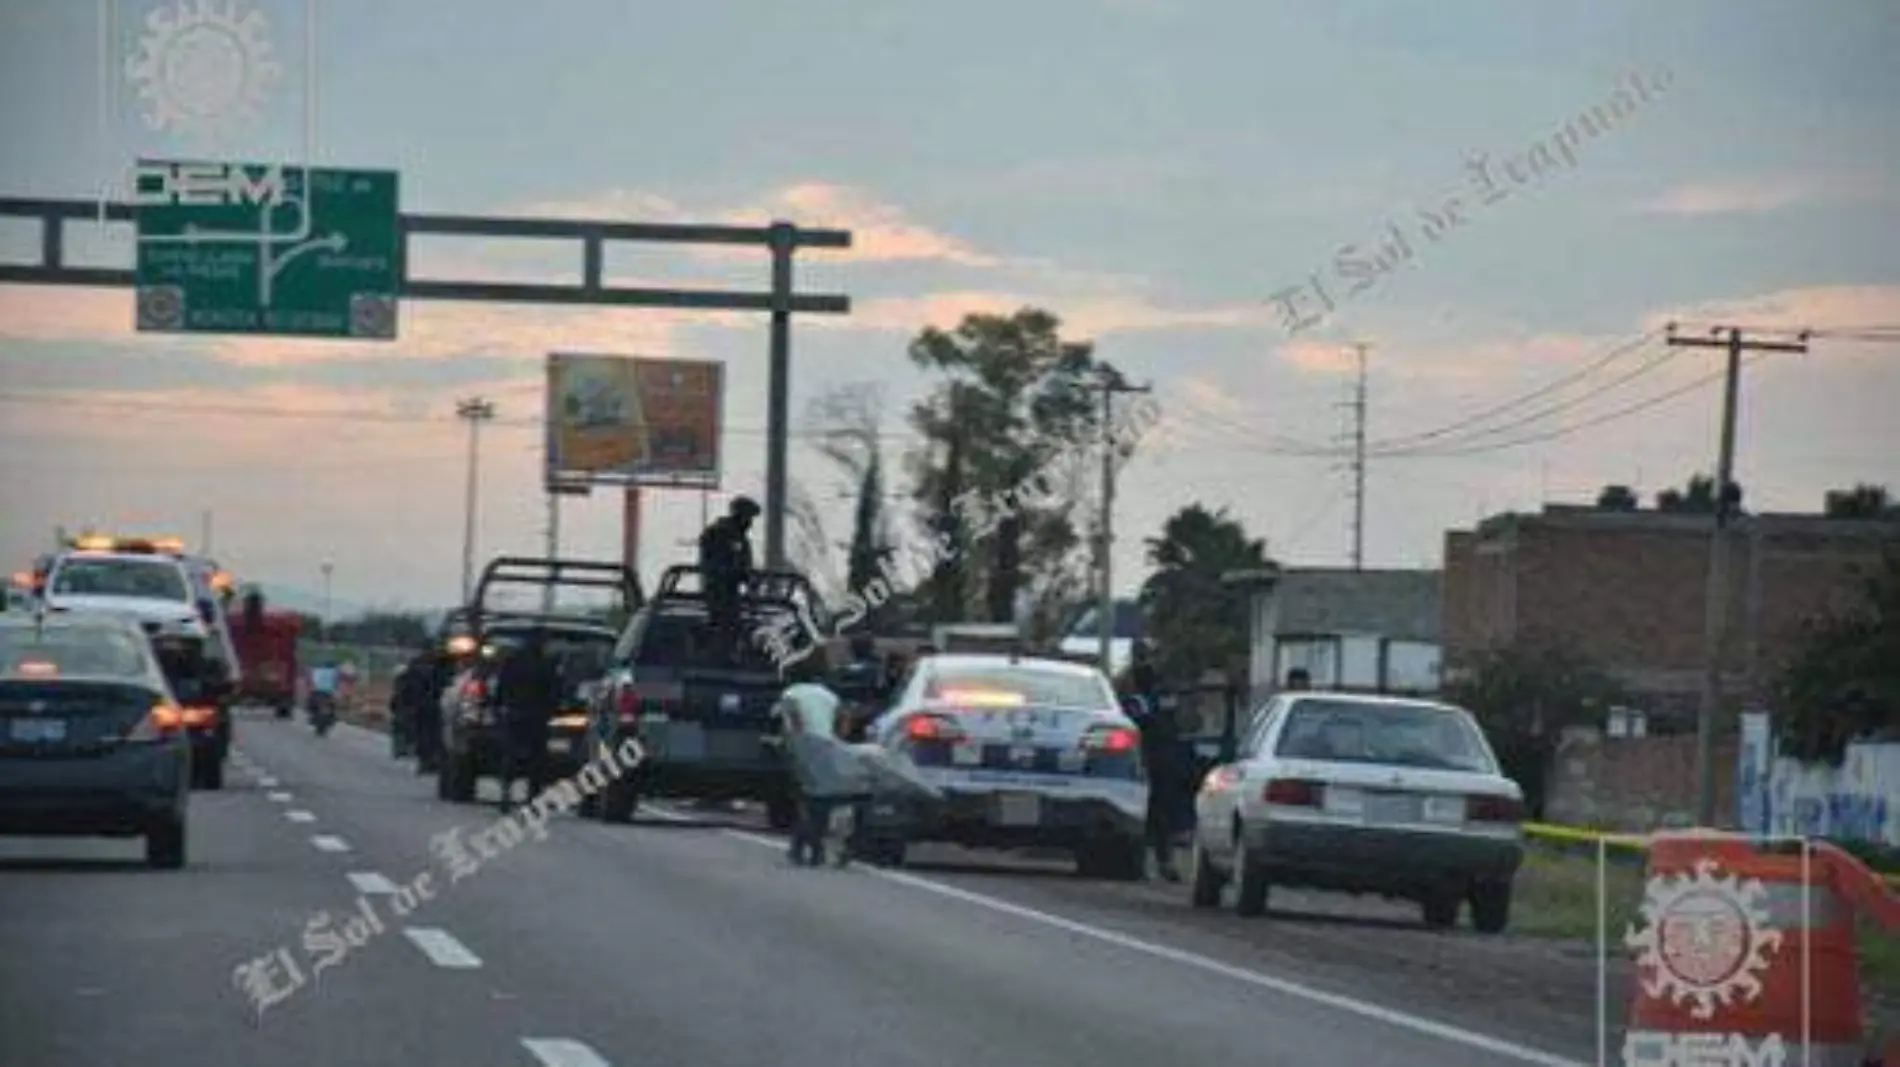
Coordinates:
[1601,362]
[1655,363]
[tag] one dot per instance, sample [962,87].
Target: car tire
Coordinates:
[1250,897]
[1207,884]
[1491,906]
[459,778]
[442,783]
[165,844]
[1440,910]
[619,801]
[282,711]
[208,775]
[780,812]
[885,853]
[589,807]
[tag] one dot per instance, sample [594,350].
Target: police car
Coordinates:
[1029,754]
[151,582]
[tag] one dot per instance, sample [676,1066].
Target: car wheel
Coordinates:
[209,774]
[780,812]
[1251,898]
[460,771]
[619,801]
[165,844]
[1491,906]
[1441,910]
[1208,882]
[442,783]
[887,853]
[283,711]
[589,807]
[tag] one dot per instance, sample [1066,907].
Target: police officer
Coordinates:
[1161,751]
[725,564]
[527,688]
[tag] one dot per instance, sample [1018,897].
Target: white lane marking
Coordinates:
[1364,1009]
[371,882]
[328,843]
[279,797]
[562,1052]
[653,811]
[442,949]
[300,816]
[267,782]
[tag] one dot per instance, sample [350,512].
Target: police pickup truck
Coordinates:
[706,723]
[173,598]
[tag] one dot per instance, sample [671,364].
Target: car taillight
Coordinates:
[932,728]
[162,721]
[199,716]
[1113,740]
[1292,792]
[627,703]
[473,689]
[1494,809]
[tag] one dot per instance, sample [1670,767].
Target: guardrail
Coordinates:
[1620,847]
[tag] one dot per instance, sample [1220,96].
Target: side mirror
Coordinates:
[208,610]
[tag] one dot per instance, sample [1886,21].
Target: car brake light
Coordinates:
[1292,792]
[931,728]
[1494,809]
[163,720]
[474,690]
[198,716]
[37,668]
[1115,739]
[627,702]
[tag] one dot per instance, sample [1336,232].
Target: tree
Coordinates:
[849,422]
[1525,697]
[1618,498]
[1016,407]
[1864,501]
[1698,498]
[1843,682]
[1198,622]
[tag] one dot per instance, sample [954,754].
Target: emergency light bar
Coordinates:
[165,546]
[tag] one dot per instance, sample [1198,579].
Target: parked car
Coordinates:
[1362,794]
[1030,753]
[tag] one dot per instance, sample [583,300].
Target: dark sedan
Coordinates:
[91,741]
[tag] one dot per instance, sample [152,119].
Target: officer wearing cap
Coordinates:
[725,564]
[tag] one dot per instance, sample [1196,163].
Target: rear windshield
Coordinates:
[1410,735]
[61,652]
[151,579]
[1008,685]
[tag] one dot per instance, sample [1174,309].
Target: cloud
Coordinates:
[1814,307]
[1756,195]
[58,313]
[1086,317]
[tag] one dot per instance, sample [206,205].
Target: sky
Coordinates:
[1151,171]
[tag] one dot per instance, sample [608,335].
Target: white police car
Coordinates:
[1029,754]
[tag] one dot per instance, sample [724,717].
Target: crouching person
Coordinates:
[826,778]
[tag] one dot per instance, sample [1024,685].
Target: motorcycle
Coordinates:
[322,713]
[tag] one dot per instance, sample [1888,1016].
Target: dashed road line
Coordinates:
[442,949]
[371,882]
[300,816]
[279,797]
[330,843]
[563,1052]
[1364,1009]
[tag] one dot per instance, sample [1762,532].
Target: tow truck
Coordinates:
[474,740]
[173,597]
[708,728]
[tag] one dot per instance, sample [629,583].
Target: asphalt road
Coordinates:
[687,941]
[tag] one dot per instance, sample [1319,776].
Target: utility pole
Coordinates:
[475,410]
[1105,605]
[554,545]
[1359,463]
[323,630]
[1715,599]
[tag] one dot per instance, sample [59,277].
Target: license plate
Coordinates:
[1445,809]
[1022,755]
[966,755]
[685,741]
[557,744]
[1019,809]
[655,719]
[1392,808]
[36,731]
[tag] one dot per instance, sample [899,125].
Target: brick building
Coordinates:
[1626,590]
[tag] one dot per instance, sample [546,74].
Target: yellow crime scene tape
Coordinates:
[1551,833]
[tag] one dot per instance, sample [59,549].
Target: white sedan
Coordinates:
[1028,753]
[1362,794]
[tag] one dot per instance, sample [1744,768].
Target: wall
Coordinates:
[1635,784]
[1857,801]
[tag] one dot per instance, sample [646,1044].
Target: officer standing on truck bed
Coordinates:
[725,565]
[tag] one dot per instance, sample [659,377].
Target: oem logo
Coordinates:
[1707,939]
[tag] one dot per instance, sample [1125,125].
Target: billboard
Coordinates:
[621,420]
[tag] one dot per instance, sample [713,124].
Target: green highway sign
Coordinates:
[267,249]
